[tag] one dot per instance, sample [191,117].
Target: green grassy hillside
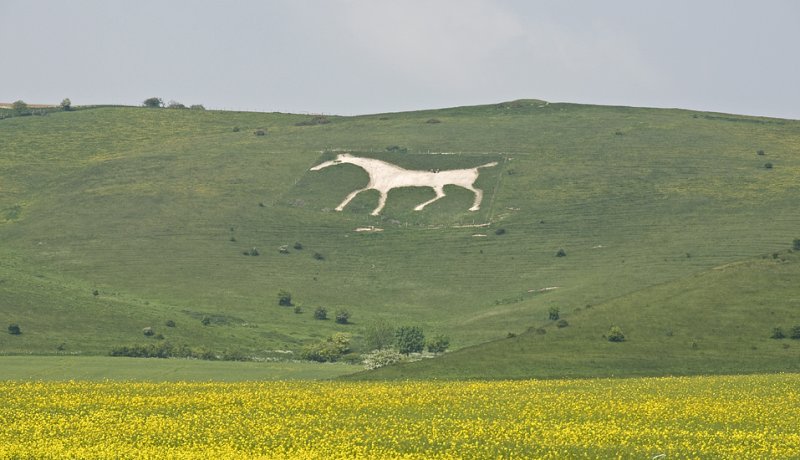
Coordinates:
[718,321]
[152,209]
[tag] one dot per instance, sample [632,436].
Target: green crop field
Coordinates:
[117,219]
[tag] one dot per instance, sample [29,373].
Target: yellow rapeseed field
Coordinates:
[674,417]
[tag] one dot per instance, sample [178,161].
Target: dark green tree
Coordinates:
[409,339]
[153,102]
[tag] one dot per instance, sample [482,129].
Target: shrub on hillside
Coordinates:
[396,149]
[553,313]
[19,106]
[14,329]
[562,323]
[561,253]
[170,323]
[205,321]
[409,339]
[433,121]
[197,107]
[260,132]
[66,105]
[796,244]
[760,152]
[285,298]
[500,231]
[318,256]
[342,316]
[175,105]
[148,331]
[767,165]
[777,333]
[298,246]
[321,313]
[615,334]
[438,344]
[794,333]
[380,358]
[328,350]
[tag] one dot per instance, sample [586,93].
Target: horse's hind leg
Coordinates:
[439,194]
[349,198]
[476,205]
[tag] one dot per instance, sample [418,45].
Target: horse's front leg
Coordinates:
[381,202]
[350,198]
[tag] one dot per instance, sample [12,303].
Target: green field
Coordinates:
[114,219]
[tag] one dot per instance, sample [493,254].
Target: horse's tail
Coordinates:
[487,165]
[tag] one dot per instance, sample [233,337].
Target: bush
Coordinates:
[175,105]
[777,333]
[409,339]
[768,165]
[562,323]
[321,313]
[153,102]
[500,231]
[760,152]
[298,309]
[318,256]
[615,334]
[553,314]
[252,252]
[438,344]
[433,121]
[236,129]
[561,253]
[342,316]
[396,149]
[285,299]
[170,323]
[197,107]
[14,329]
[298,246]
[795,333]
[260,132]
[66,105]
[19,106]
[380,358]
[796,244]
[148,331]
[205,321]
[328,350]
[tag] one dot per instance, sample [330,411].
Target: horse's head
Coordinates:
[341,158]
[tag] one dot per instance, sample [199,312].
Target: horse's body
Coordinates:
[385,176]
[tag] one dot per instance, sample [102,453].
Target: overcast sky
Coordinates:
[368,56]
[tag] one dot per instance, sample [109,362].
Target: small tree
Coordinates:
[438,344]
[285,299]
[379,335]
[561,253]
[342,316]
[553,314]
[19,106]
[14,329]
[615,334]
[321,313]
[409,339]
[66,105]
[153,102]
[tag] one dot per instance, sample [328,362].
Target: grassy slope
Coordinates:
[142,205]
[718,321]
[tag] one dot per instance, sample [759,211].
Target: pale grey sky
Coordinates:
[368,56]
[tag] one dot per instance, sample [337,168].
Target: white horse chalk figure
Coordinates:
[385,176]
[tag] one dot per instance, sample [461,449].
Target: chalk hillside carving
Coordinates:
[384,177]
